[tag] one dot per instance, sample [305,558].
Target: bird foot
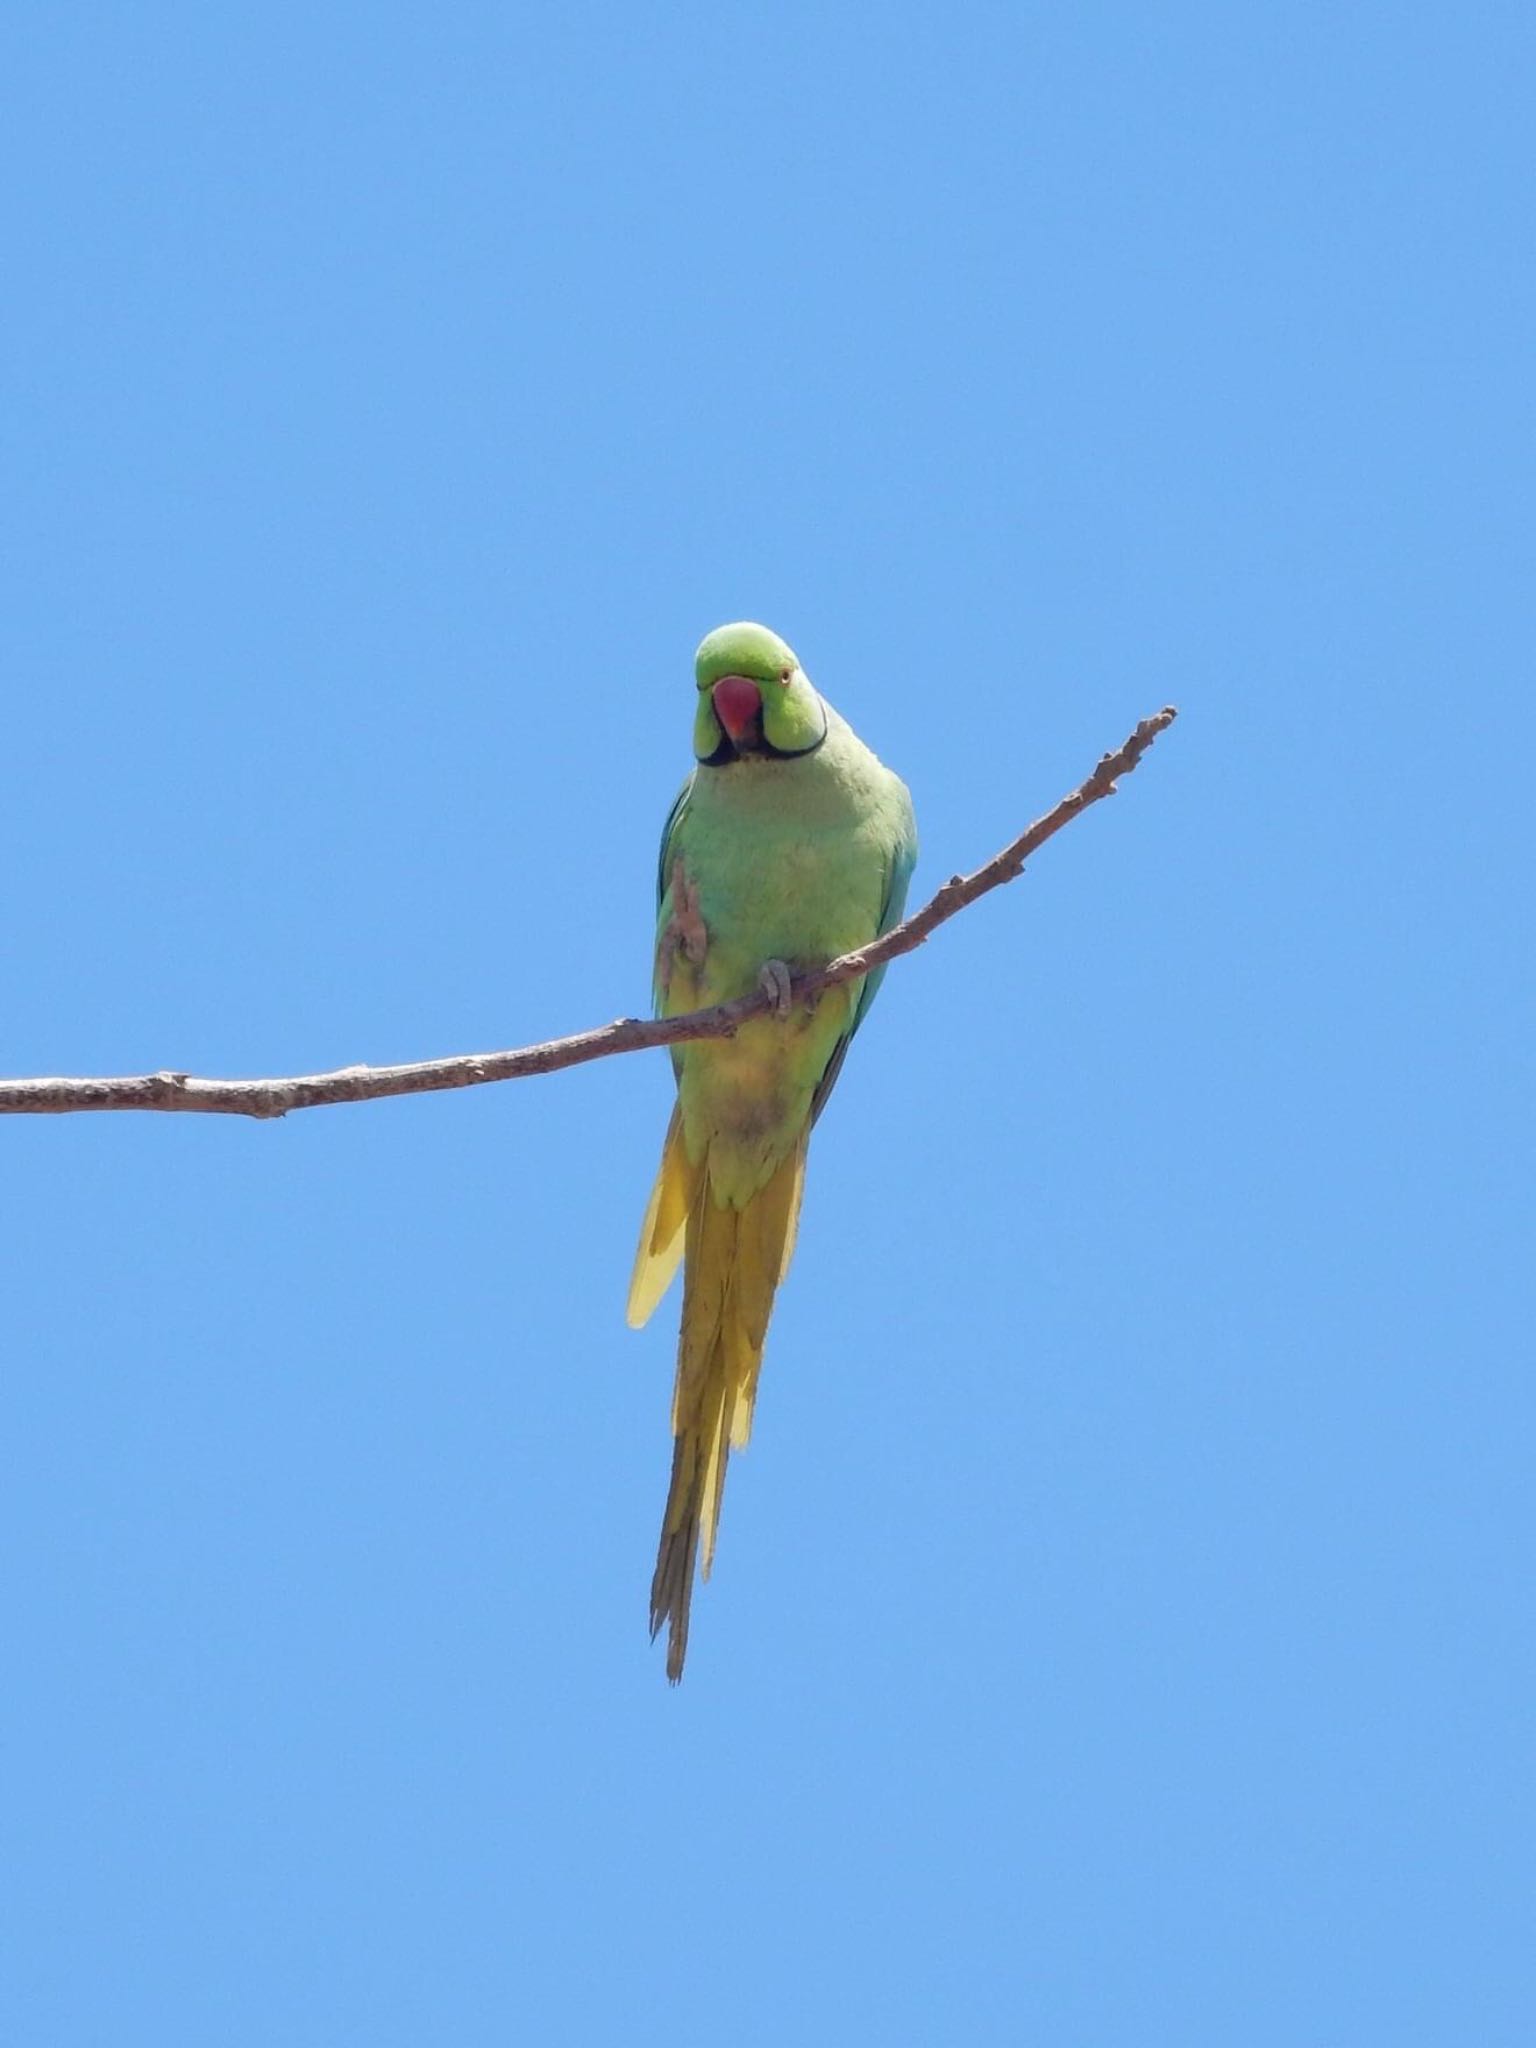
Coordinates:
[773,980]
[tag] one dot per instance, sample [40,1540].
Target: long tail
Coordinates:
[734,1260]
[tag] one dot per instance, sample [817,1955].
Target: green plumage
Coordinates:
[790,843]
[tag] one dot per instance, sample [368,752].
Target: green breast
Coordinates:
[789,860]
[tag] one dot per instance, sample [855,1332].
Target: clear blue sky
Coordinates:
[1122,1629]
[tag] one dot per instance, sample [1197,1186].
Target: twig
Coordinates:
[171,1091]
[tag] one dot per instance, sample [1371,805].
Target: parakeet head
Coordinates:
[755,700]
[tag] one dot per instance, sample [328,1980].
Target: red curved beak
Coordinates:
[737,701]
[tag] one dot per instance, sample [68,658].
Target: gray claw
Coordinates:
[773,979]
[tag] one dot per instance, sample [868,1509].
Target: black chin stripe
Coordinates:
[759,749]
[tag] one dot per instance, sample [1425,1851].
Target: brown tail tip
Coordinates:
[672,1592]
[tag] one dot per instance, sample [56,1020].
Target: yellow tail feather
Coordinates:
[735,1261]
[661,1234]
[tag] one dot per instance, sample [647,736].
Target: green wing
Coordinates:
[664,852]
[664,893]
[664,907]
[898,877]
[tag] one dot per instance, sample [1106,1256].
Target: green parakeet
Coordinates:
[788,845]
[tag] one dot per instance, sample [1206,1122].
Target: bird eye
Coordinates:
[785,675]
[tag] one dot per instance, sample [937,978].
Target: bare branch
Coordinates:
[172,1091]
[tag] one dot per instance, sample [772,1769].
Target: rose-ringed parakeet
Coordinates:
[788,845]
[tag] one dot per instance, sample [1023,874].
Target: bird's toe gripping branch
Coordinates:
[773,980]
